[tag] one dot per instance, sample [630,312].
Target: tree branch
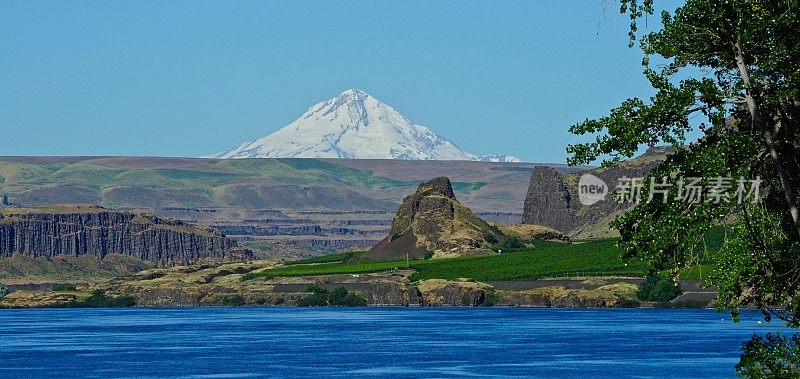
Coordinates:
[766,131]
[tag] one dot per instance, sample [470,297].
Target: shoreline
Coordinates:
[371,307]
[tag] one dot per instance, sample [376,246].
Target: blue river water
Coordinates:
[363,342]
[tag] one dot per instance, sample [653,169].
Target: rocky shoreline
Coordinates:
[223,285]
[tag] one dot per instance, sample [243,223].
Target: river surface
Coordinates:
[359,342]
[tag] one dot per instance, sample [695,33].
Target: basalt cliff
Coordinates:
[81,230]
[552,197]
[549,200]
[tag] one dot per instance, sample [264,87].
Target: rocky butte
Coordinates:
[549,201]
[433,223]
[79,230]
[552,198]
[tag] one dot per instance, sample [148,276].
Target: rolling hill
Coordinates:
[268,204]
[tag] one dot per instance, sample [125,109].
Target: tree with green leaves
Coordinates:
[655,288]
[730,71]
[774,356]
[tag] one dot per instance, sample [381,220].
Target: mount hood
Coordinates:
[354,125]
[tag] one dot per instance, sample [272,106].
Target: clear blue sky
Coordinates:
[187,78]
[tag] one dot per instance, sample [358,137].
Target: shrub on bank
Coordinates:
[659,289]
[512,242]
[233,300]
[492,298]
[99,299]
[63,288]
[340,297]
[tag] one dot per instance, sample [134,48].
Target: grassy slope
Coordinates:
[326,269]
[211,178]
[545,260]
[25,269]
[597,258]
[347,256]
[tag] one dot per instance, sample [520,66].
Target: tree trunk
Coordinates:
[766,131]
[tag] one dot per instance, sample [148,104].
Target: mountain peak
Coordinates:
[354,125]
[352,97]
[353,93]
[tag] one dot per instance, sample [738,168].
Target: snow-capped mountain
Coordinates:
[355,125]
[497,158]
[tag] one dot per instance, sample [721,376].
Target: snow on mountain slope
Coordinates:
[358,126]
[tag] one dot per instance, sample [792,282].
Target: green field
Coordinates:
[595,258]
[325,269]
[348,256]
